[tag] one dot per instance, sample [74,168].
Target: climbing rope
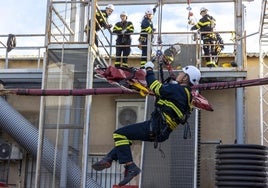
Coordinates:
[159,38]
[190,14]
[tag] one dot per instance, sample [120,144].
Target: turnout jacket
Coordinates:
[102,18]
[174,100]
[147,26]
[123,38]
[206,24]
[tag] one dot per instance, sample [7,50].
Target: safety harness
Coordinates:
[158,120]
[184,119]
[164,121]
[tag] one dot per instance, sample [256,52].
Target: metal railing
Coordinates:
[26,46]
[66,28]
[108,177]
[181,38]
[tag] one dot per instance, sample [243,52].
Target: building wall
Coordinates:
[220,125]
[20,63]
[252,103]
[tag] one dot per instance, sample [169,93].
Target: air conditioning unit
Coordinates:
[9,151]
[129,112]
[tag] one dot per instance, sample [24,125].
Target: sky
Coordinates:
[29,17]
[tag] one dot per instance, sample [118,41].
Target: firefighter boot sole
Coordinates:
[131,174]
[100,165]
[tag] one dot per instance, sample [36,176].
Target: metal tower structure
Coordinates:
[69,65]
[263,42]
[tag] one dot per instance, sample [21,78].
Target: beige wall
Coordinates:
[103,122]
[220,125]
[252,103]
[18,63]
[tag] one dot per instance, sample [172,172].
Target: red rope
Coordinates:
[71,92]
[231,84]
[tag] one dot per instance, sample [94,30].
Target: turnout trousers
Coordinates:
[140,131]
[125,51]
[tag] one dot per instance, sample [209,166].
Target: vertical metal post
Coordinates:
[92,12]
[88,98]
[199,47]
[86,134]
[149,47]
[73,19]
[77,121]
[81,23]
[65,145]
[42,102]
[196,148]
[6,61]
[41,127]
[240,132]
[64,158]
[262,90]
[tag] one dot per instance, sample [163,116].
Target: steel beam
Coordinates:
[143,2]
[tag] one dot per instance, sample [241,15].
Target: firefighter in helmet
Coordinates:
[102,22]
[123,29]
[172,107]
[206,24]
[146,28]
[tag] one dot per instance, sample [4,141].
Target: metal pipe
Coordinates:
[197,114]
[104,91]
[240,135]
[26,135]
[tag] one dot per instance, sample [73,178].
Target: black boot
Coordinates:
[106,162]
[130,172]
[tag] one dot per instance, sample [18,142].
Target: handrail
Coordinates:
[23,48]
[171,38]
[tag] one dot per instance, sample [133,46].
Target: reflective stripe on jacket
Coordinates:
[123,38]
[174,99]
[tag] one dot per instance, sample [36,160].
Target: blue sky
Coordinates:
[29,16]
[23,16]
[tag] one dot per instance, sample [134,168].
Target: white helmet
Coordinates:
[123,13]
[203,9]
[110,6]
[193,73]
[149,11]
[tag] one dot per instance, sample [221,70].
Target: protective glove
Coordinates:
[149,64]
[124,31]
[109,26]
[193,28]
[140,46]
[191,22]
